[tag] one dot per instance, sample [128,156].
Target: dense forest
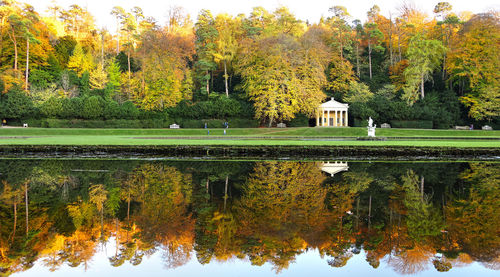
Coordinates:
[410,216]
[407,68]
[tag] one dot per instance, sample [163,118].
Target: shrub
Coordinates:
[129,111]
[300,120]
[40,79]
[111,110]
[414,124]
[362,111]
[92,107]
[16,104]
[52,108]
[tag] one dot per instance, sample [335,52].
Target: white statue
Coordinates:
[371,127]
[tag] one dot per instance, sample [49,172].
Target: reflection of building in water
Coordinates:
[333,168]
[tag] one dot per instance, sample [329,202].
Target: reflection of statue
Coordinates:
[370,122]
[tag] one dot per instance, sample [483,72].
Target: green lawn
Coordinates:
[248,132]
[119,140]
[289,136]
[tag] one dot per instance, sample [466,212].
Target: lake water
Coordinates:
[248,218]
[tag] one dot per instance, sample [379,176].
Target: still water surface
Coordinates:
[265,218]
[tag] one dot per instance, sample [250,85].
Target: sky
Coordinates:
[310,10]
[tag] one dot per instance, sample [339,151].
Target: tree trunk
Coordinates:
[128,208]
[225,78]
[102,221]
[341,46]
[369,212]
[117,244]
[357,60]
[390,40]
[422,182]
[142,71]
[270,121]
[422,86]
[14,41]
[102,51]
[1,36]
[15,221]
[357,214]
[128,62]
[399,45]
[27,62]
[207,83]
[117,36]
[212,79]
[443,76]
[370,57]
[225,192]
[26,206]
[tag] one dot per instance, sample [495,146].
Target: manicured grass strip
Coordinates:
[123,140]
[248,132]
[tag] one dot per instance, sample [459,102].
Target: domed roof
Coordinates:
[332,104]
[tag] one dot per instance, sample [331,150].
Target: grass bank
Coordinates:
[125,140]
[247,132]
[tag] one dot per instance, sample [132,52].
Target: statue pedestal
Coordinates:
[371,131]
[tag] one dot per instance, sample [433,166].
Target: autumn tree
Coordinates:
[166,71]
[80,61]
[279,78]
[475,60]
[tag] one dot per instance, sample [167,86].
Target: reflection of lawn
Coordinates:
[249,132]
[126,140]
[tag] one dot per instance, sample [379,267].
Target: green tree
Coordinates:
[373,38]
[205,44]
[424,56]
[358,92]
[226,44]
[114,77]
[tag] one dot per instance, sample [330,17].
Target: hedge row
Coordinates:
[409,124]
[137,124]
[412,124]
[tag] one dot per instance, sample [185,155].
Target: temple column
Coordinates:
[317,118]
[328,118]
[346,119]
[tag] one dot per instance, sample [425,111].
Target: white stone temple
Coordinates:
[332,114]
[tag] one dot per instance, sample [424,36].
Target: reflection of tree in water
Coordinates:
[278,211]
[164,217]
[413,260]
[473,220]
[283,204]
